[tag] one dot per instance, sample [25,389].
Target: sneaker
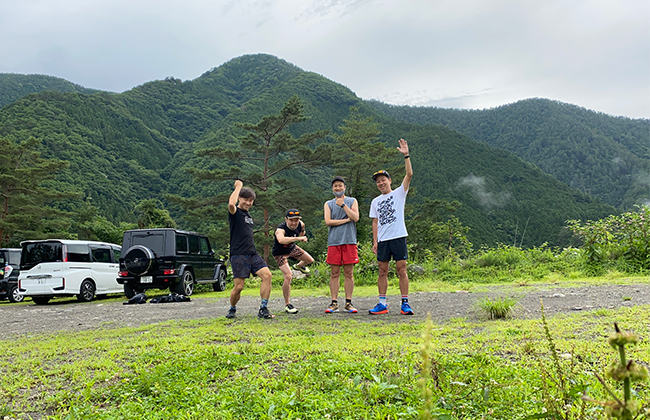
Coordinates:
[379,309]
[349,308]
[303,270]
[231,313]
[265,313]
[406,309]
[334,307]
[290,309]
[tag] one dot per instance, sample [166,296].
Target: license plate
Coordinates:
[146,279]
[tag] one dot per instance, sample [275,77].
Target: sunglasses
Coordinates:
[294,213]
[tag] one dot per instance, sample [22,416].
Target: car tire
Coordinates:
[185,285]
[86,291]
[130,291]
[41,300]
[15,296]
[220,284]
[138,260]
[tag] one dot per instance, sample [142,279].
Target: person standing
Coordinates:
[244,259]
[341,216]
[289,232]
[389,232]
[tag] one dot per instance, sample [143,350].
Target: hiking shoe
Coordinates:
[290,309]
[379,309]
[334,307]
[231,313]
[349,308]
[406,309]
[303,270]
[264,313]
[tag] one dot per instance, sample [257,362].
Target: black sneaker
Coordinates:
[231,313]
[265,313]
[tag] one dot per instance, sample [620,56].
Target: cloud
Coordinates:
[486,198]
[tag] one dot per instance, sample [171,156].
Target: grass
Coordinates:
[316,368]
[497,308]
[309,368]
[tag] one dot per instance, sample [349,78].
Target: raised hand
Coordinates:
[403,147]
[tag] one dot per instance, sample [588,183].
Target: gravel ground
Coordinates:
[69,315]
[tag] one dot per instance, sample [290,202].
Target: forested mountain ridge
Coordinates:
[127,147]
[15,86]
[604,156]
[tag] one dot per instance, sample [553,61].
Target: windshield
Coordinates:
[40,252]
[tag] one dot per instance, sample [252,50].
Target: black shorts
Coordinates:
[243,266]
[395,248]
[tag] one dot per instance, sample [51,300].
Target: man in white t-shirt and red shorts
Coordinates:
[389,232]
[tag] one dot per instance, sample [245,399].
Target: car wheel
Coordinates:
[41,300]
[220,284]
[186,284]
[138,260]
[14,295]
[86,291]
[130,291]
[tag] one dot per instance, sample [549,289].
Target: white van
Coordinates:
[58,267]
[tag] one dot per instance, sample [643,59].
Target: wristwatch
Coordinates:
[342,205]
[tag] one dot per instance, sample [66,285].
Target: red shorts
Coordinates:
[342,254]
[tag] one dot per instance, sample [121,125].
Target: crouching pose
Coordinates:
[289,232]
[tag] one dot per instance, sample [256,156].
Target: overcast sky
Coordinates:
[446,53]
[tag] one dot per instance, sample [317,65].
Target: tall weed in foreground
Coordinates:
[627,372]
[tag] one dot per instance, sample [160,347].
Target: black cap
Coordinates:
[378,173]
[293,214]
[338,178]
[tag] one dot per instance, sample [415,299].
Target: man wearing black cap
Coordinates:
[389,232]
[289,232]
[341,216]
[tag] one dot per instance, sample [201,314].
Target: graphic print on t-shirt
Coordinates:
[386,210]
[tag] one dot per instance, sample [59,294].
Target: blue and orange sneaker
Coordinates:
[406,309]
[379,309]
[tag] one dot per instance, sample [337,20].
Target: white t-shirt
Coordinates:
[388,209]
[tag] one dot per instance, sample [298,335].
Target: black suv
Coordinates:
[168,258]
[9,270]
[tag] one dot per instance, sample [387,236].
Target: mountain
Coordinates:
[127,147]
[15,86]
[601,155]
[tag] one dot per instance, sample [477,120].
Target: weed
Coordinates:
[497,308]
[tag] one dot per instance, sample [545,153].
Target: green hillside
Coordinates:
[127,147]
[603,156]
[15,86]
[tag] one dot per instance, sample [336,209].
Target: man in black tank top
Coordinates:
[244,259]
[289,232]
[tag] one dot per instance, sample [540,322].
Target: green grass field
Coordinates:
[320,368]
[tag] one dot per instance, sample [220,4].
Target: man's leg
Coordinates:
[348,274]
[402,273]
[286,285]
[235,293]
[382,280]
[335,285]
[265,288]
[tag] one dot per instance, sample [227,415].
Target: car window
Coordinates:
[40,252]
[116,253]
[2,258]
[205,246]
[194,244]
[102,255]
[14,257]
[181,244]
[78,252]
[154,242]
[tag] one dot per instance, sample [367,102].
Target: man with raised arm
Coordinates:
[244,259]
[389,232]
